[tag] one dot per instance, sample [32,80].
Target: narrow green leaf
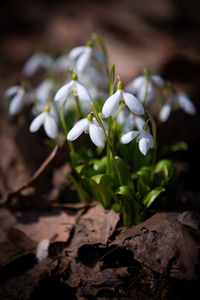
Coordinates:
[152,195]
[83,195]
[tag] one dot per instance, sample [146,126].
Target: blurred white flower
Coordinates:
[19,98]
[84,55]
[62,63]
[178,100]
[47,119]
[88,124]
[37,61]
[138,87]
[73,85]
[144,137]
[113,101]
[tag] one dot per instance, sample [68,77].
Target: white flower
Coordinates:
[73,85]
[62,63]
[178,100]
[138,87]
[144,137]
[47,119]
[113,101]
[87,124]
[19,99]
[37,61]
[84,55]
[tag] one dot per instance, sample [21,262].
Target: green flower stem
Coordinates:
[154,131]
[78,106]
[99,41]
[108,148]
[64,125]
[108,143]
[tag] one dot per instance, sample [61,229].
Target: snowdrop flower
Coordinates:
[47,119]
[88,124]
[138,87]
[19,99]
[62,63]
[113,101]
[37,61]
[73,86]
[180,100]
[143,136]
[83,56]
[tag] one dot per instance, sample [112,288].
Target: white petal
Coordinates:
[44,90]
[63,92]
[35,62]
[139,122]
[78,129]
[75,52]
[145,142]
[17,102]
[37,122]
[133,104]
[62,63]
[111,104]
[144,145]
[83,92]
[186,104]
[157,80]
[165,112]
[84,60]
[128,137]
[96,135]
[11,91]
[50,126]
[99,56]
[136,84]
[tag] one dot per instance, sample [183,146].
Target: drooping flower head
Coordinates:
[144,138]
[84,56]
[144,87]
[47,119]
[37,61]
[119,96]
[178,100]
[91,126]
[18,99]
[73,86]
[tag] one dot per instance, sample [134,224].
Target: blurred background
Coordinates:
[162,35]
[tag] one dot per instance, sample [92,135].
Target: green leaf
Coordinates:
[83,195]
[152,195]
[130,208]
[123,170]
[101,188]
[166,166]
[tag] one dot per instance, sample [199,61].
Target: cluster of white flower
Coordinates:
[87,80]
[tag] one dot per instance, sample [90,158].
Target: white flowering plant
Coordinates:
[120,165]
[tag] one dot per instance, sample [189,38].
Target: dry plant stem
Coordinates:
[71,147]
[108,142]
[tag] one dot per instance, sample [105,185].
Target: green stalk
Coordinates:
[78,106]
[64,125]
[154,131]
[108,143]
